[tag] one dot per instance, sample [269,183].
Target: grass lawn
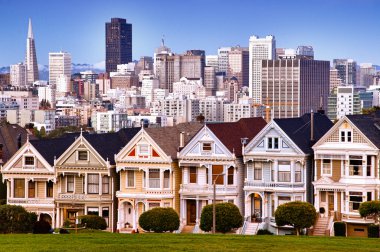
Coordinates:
[103,241]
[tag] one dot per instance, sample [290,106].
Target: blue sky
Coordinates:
[335,28]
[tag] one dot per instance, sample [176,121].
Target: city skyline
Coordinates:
[336,29]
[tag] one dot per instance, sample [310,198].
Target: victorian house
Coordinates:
[149,172]
[346,170]
[214,156]
[279,167]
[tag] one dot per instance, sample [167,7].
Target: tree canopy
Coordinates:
[370,209]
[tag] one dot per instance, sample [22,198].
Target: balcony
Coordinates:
[355,218]
[208,189]
[83,197]
[275,185]
[30,201]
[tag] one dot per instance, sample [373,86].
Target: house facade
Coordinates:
[346,170]
[214,155]
[278,167]
[149,172]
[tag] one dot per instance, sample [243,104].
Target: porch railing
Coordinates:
[30,201]
[274,184]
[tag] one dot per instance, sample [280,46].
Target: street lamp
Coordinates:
[213,203]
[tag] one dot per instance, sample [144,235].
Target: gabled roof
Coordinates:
[168,138]
[369,125]
[230,133]
[298,129]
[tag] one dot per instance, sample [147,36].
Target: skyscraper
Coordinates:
[18,75]
[31,57]
[59,66]
[238,65]
[346,70]
[118,43]
[259,49]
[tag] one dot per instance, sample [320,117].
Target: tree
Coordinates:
[227,217]
[200,118]
[42,132]
[15,219]
[370,208]
[159,219]
[297,214]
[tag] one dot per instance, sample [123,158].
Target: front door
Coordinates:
[331,203]
[191,212]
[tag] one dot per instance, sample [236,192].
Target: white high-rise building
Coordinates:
[212,61]
[59,63]
[223,54]
[18,75]
[149,83]
[46,93]
[259,49]
[63,85]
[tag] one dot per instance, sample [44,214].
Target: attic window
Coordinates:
[28,160]
[206,147]
[83,155]
[144,149]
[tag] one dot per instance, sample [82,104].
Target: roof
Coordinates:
[231,133]
[298,129]
[369,125]
[8,138]
[167,138]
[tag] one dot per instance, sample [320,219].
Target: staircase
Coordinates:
[251,228]
[321,226]
[187,229]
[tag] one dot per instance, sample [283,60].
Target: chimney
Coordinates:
[267,114]
[181,139]
[19,141]
[312,126]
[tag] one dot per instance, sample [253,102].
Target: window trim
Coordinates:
[271,140]
[88,183]
[343,135]
[322,167]
[78,155]
[29,166]
[127,178]
[106,185]
[67,183]
[208,148]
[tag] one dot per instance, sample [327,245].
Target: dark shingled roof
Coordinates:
[230,133]
[106,144]
[298,129]
[369,125]
[167,138]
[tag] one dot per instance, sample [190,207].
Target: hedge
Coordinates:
[159,220]
[93,222]
[373,231]
[15,219]
[339,229]
[227,217]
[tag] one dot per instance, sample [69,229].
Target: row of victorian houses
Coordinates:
[254,164]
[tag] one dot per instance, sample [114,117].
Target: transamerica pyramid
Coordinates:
[31,57]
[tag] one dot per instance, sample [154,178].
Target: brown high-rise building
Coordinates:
[293,87]
[238,65]
[118,43]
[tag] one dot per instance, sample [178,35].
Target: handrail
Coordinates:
[243,229]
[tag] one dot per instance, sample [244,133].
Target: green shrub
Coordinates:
[67,223]
[297,214]
[370,209]
[159,220]
[340,229]
[373,231]
[227,217]
[93,222]
[15,219]
[264,232]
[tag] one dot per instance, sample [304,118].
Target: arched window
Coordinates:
[230,179]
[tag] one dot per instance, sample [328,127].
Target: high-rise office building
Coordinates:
[31,57]
[59,64]
[367,71]
[259,49]
[293,87]
[210,80]
[335,80]
[118,43]
[192,64]
[306,52]
[346,70]
[212,61]
[238,65]
[223,54]
[18,76]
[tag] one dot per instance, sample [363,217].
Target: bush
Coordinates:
[93,222]
[15,219]
[159,220]
[227,217]
[264,232]
[373,231]
[297,214]
[370,209]
[42,226]
[340,229]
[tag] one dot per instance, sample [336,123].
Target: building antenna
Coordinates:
[163,40]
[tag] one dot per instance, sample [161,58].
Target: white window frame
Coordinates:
[323,168]
[143,149]
[67,184]
[343,135]
[271,140]
[203,147]
[28,166]
[127,178]
[79,155]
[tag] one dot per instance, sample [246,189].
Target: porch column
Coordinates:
[12,187]
[85,183]
[134,217]
[57,224]
[364,165]
[9,190]
[181,209]
[209,182]
[53,219]
[100,184]
[347,165]
[26,188]
[119,216]
[292,163]
[335,200]
[373,160]
[247,206]
[147,178]
[316,201]
[197,212]
[342,206]
[161,179]
[275,163]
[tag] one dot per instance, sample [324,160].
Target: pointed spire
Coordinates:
[30,30]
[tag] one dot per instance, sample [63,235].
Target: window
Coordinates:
[83,155]
[326,167]
[93,183]
[257,171]
[297,173]
[93,211]
[130,178]
[166,179]
[144,149]
[369,196]
[283,199]
[284,171]
[273,143]
[230,178]
[355,199]
[217,176]
[28,160]
[70,183]
[206,147]
[369,165]
[31,189]
[105,185]
[106,214]
[153,205]
[49,189]
[356,166]
[154,178]
[193,175]
[346,136]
